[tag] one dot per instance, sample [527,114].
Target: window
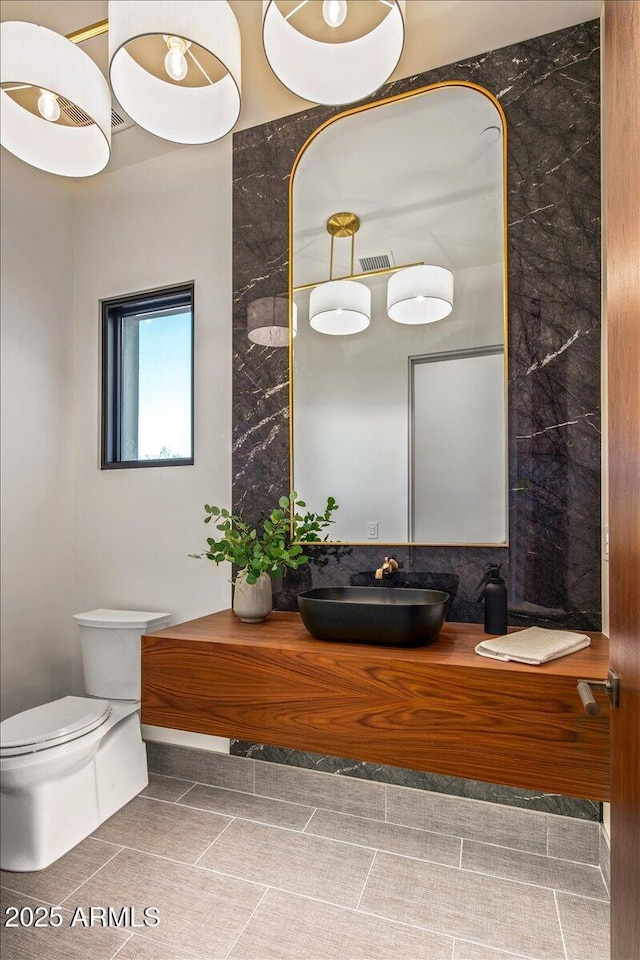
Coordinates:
[147,379]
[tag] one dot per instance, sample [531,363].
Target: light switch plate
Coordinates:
[372,530]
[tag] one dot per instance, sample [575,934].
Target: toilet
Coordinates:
[68,765]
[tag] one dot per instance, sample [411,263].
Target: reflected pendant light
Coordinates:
[268,321]
[55,105]
[420,294]
[178,38]
[340,307]
[332,73]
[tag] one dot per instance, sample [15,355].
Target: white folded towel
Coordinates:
[534,645]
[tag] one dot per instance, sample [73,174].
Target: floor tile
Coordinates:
[465,905]
[477,951]
[346,795]
[585,926]
[201,766]
[386,836]
[294,861]
[137,948]
[471,819]
[199,911]
[529,867]
[163,828]
[286,927]
[279,813]
[55,943]
[166,788]
[573,839]
[56,882]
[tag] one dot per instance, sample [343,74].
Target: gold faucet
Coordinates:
[389,566]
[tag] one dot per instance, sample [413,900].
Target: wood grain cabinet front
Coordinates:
[440,708]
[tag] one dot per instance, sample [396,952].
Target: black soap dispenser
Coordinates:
[493,588]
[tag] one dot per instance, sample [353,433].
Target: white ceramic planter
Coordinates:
[252,602]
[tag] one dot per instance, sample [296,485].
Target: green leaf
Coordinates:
[283,502]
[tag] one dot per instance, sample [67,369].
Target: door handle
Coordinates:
[611,686]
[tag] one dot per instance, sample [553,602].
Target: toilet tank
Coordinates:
[111,650]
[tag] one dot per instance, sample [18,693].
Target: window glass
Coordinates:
[148,380]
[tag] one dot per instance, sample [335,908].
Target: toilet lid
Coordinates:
[59,721]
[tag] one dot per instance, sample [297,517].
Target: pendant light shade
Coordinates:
[65,79]
[268,321]
[182,114]
[420,294]
[340,307]
[332,73]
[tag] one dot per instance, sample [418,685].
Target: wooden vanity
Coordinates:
[440,708]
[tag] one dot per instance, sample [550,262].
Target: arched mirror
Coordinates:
[399,340]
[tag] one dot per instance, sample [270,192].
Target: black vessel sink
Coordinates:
[392,617]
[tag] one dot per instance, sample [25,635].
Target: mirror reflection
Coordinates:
[398,356]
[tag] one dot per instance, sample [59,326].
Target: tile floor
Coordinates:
[315,868]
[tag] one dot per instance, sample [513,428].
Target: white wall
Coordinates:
[37,294]
[75,537]
[149,225]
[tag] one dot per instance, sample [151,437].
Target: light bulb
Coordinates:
[334,12]
[175,62]
[48,106]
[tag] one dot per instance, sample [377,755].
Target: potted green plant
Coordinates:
[265,550]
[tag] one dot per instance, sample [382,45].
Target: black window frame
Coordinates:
[112,313]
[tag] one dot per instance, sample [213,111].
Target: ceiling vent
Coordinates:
[381,261]
[77,116]
[119,119]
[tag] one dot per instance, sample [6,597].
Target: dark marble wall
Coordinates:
[549,89]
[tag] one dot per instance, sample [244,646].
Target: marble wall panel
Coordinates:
[549,89]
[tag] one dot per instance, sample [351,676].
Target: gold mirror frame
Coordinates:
[505,292]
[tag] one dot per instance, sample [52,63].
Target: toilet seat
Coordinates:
[51,724]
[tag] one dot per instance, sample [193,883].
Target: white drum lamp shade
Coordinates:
[340,307]
[268,321]
[173,112]
[34,56]
[332,73]
[420,294]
